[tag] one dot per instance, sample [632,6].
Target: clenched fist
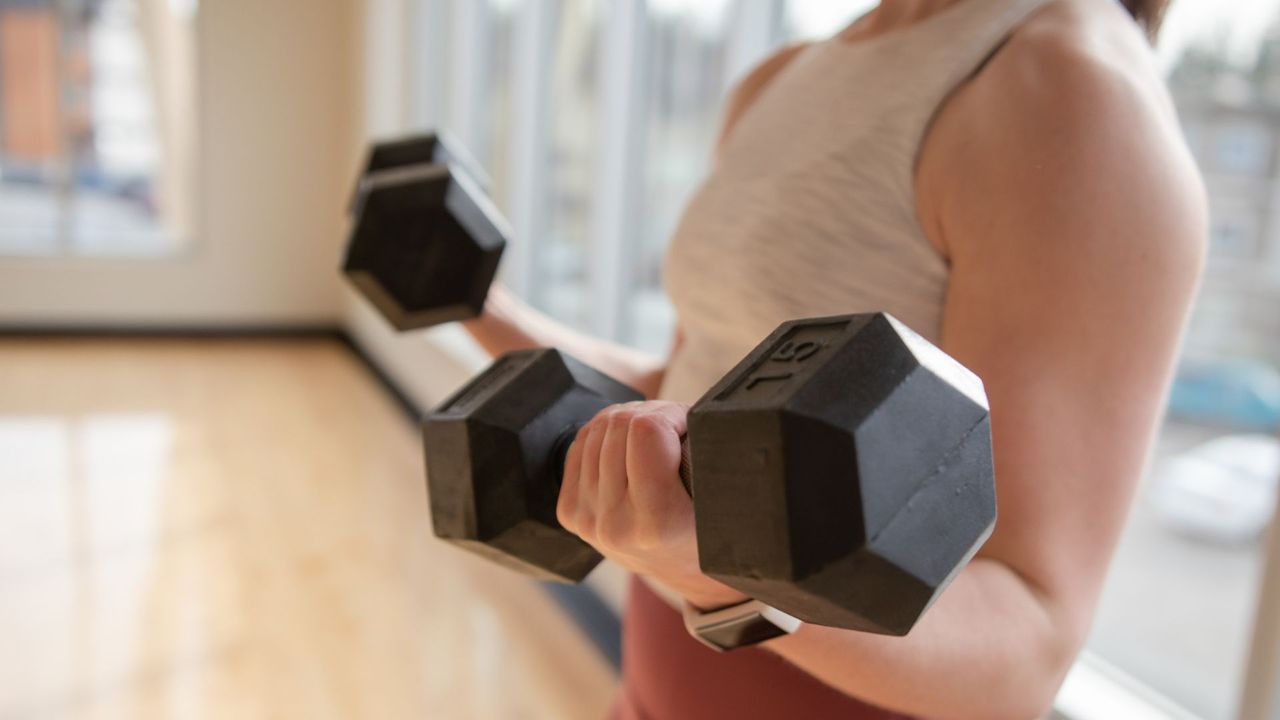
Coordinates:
[622,493]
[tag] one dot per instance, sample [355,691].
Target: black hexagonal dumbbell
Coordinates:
[425,240]
[841,472]
[495,454]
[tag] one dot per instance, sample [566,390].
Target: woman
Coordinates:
[1008,178]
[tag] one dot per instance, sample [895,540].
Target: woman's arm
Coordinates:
[1059,186]
[508,323]
[1076,235]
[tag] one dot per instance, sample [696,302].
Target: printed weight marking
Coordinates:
[785,361]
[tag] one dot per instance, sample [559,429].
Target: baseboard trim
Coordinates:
[411,409]
[174,332]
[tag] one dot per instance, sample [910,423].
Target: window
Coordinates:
[597,120]
[1178,608]
[811,19]
[96,126]
[562,267]
[1233,234]
[1241,149]
[684,65]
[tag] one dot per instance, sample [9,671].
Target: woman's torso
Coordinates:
[809,210]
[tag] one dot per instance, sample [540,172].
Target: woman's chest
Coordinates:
[752,251]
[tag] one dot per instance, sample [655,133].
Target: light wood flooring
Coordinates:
[238,529]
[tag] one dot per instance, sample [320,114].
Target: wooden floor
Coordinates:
[238,529]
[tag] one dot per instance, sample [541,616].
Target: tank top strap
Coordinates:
[966,40]
[927,62]
[955,48]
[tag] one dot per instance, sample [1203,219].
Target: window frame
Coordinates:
[1260,691]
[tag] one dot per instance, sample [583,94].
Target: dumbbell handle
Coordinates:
[560,451]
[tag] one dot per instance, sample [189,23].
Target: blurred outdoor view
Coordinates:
[96,126]
[1179,605]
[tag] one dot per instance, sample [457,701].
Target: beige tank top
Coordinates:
[810,207]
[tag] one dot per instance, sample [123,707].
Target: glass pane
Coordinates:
[431,47]
[815,19]
[496,115]
[1178,606]
[476,108]
[688,62]
[687,53]
[32,177]
[96,151]
[562,287]
[472,69]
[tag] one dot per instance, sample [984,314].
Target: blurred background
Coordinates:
[173,178]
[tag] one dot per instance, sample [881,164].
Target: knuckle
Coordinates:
[648,427]
[600,422]
[619,419]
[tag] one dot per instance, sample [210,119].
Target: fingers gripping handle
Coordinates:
[560,451]
[686,470]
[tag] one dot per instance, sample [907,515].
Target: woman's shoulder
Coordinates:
[1089,44]
[1073,101]
[1074,61]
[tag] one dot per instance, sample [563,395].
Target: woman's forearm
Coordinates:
[988,648]
[510,324]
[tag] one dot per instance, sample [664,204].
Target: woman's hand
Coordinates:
[622,494]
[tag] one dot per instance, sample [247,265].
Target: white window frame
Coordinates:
[620,162]
[530,140]
[1260,693]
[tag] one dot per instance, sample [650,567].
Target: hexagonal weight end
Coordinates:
[431,148]
[815,459]
[425,247]
[494,458]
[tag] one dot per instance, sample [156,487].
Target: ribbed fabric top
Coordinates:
[810,208]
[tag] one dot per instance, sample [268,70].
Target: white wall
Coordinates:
[277,117]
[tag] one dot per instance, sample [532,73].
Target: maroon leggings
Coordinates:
[668,675]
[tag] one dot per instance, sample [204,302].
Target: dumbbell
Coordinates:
[841,472]
[425,240]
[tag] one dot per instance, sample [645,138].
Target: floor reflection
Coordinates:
[238,529]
